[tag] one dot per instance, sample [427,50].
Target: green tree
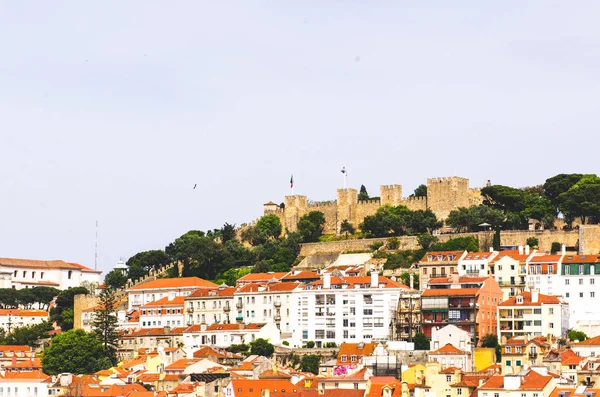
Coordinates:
[346,228]
[556,247]
[558,184]
[469,219]
[489,340]
[62,313]
[228,232]
[115,279]
[104,324]
[496,243]
[426,240]
[421,341]
[76,352]
[310,344]
[582,200]
[230,276]
[310,363]
[577,335]
[243,349]
[420,191]
[26,297]
[27,335]
[9,297]
[468,243]
[269,226]
[533,242]
[310,226]
[405,279]
[362,194]
[261,347]
[44,295]
[392,243]
[201,255]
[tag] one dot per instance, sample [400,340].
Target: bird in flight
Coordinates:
[195,185]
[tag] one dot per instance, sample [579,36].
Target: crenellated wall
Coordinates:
[443,196]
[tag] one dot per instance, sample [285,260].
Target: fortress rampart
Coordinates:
[443,196]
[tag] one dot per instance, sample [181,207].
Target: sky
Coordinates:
[112,111]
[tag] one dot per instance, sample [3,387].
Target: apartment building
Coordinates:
[29,273]
[470,303]
[450,356]
[521,352]
[252,278]
[476,264]
[528,383]
[225,335]
[13,318]
[407,322]
[267,302]
[344,309]
[165,312]
[578,286]
[533,314]
[438,264]
[165,287]
[210,306]
[510,270]
[543,271]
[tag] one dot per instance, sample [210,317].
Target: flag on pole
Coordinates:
[344,170]
[292,181]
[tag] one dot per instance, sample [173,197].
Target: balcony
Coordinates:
[190,309]
[277,303]
[239,304]
[226,308]
[239,318]
[277,317]
[533,356]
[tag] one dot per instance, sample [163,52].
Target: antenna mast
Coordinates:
[96,249]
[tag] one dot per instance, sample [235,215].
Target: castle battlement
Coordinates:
[444,194]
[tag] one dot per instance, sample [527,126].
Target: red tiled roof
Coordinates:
[351,281]
[15,376]
[568,258]
[570,392]
[448,349]
[354,349]
[177,301]
[303,275]
[171,283]
[462,280]
[42,264]
[546,299]
[23,313]
[255,277]
[434,254]
[201,293]
[531,381]
[254,387]
[545,259]
[595,341]
[514,254]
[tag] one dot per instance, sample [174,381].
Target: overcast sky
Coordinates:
[112,111]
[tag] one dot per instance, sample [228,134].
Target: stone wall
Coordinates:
[415,203]
[330,212]
[80,303]
[447,194]
[589,235]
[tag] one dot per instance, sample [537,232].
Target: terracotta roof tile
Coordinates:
[546,299]
[531,381]
[256,277]
[354,349]
[43,264]
[451,292]
[169,283]
[447,349]
[568,258]
[514,254]
[217,292]
[163,302]
[595,341]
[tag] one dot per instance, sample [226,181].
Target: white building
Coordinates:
[269,303]
[24,384]
[225,335]
[476,263]
[510,270]
[165,287]
[587,348]
[450,334]
[29,273]
[533,314]
[210,306]
[13,318]
[543,274]
[344,309]
[165,312]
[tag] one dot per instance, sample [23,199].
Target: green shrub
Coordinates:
[533,242]
[376,245]
[310,344]
[393,243]
[556,247]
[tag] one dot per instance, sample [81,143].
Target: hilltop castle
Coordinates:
[443,196]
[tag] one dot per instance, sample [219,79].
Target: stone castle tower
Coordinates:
[443,196]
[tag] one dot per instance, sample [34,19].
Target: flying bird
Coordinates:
[195,185]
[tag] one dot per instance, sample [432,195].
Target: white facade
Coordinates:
[350,309]
[24,384]
[510,270]
[533,314]
[225,335]
[165,312]
[165,287]
[26,273]
[450,334]
[13,318]
[270,302]
[476,264]
[214,306]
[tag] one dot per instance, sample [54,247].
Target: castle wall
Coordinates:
[347,201]
[330,212]
[415,203]
[390,195]
[364,208]
[447,194]
[295,208]
[589,235]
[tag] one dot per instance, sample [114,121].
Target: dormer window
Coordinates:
[440,257]
[519,300]
[353,358]
[429,258]
[450,257]
[344,358]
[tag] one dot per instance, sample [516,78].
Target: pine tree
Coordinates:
[105,323]
[363,195]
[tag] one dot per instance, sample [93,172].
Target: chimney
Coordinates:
[167,329]
[535,295]
[527,250]
[491,249]
[512,382]
[203,327]
[412,281]
[374,279]
[326,280]
[405,391]
[520,250]
[457,376]
[563,249]
[242,326]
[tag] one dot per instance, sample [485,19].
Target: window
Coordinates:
[591,281]
[537,311]
[566,268]
[592,294]
[580,281]
[518,363]
[567,295]
[69,274]
[566,281]
[41,274]
[580,269]
[344,358]
[353,358]
[581,294]
[448,378]
[508,363]
[356,386]
[368,312]
[551,311]
[507,349]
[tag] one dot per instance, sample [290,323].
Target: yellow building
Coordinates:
[415,372]
[483,357]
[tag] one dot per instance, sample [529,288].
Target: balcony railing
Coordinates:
[533,356]
[226,308]
[239,304]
